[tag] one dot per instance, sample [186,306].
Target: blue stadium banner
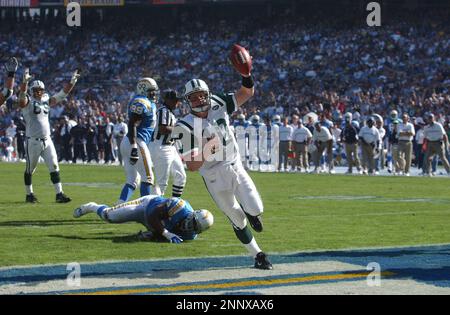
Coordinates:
[19,3]
[97,3]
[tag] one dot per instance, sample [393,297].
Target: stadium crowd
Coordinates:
[300,67]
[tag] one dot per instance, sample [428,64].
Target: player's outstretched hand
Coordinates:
[75,76]
[26,76]
[172,238]
[11,65]
[134,156]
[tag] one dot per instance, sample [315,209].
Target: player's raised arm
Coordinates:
[155,219]
[242,62]
[61,95]
[11,68]
[23,97]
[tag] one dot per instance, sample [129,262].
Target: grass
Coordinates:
[302,212]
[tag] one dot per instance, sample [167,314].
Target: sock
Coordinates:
[58,188]
[100,212]
[145,189]
[29,189]
[244,235]
[177,191]
[253,248]
[126,193]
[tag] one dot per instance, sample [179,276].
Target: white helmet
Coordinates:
[276,118]
[241,117]
[255,119]
[145,86]
[36,84]
[193,86]
[203,220]
[394,114]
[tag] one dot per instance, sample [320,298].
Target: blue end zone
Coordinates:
[427,264]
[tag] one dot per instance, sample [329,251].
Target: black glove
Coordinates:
[134,157]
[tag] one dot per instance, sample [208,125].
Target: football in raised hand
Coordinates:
[241,60]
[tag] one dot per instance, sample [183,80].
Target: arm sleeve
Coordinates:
[227,100]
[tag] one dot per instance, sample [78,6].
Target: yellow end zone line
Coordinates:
[231,285]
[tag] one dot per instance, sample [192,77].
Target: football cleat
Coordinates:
[262,262]
[62,198]
[84,209]
[255,222]
[31,198]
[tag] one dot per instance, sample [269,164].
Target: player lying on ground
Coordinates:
[35,108]
[172,218]
[11,68]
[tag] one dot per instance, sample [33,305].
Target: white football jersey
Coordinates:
[35,115]
[192,132]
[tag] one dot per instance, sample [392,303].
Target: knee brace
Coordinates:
[54,176]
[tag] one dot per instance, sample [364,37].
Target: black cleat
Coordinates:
[31,198]
[262,262]
[255,222]
[62,198]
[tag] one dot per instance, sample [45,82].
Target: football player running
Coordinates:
[134,147]
[35,109]
[208,146]
[11,68]
[166,159]
[172,218]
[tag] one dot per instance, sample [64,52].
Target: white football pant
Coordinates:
[167,161]
[37,148]
[143,166]
[230,187]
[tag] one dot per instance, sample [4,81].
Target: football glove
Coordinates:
[26,76]
[172,238]
[75,76]
[134,156]
[11,65]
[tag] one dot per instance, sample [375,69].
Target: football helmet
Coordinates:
[194,86]
[148,87]
[394,114]
[36,84]
[198,221]
[276,119]
[241,118]
[348,116]
[255,119]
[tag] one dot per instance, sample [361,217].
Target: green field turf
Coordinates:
[302,212]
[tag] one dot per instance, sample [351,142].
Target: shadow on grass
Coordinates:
[45,223]
[132,238]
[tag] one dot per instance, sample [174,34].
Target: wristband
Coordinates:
[60,96]
[11,74]
[248,82]
[165,233]
[134,146]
